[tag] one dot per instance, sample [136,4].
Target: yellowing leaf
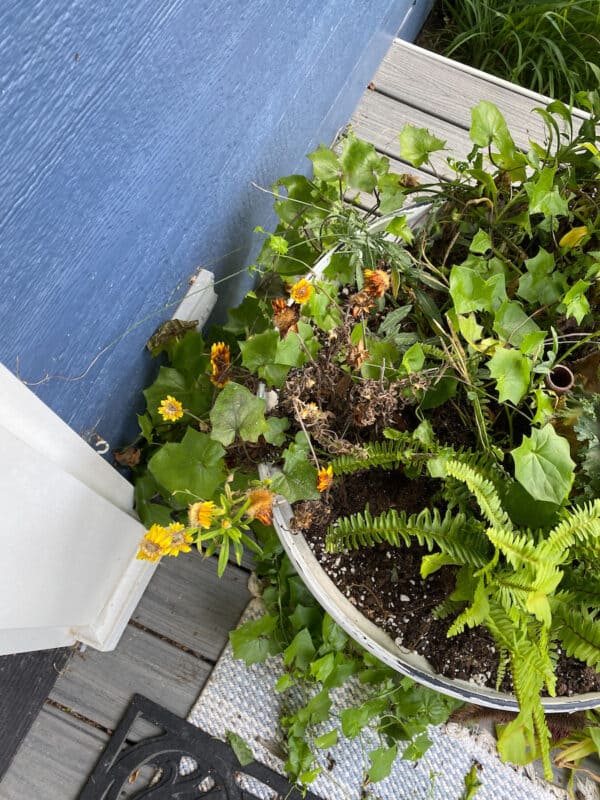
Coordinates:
[573,237]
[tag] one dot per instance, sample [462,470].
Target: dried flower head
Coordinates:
[377,282]
[155,544]
[220,357]
[170,409]
[201,514]
[360,304]
[302,291]
[285,317]
[261,506]
[180,539]
[324,478]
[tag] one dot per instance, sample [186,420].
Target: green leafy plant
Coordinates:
[364,335]
[549,47]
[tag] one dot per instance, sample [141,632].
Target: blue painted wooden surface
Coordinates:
[131,133]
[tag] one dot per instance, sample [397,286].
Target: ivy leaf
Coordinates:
[320,308]
[326,164]
[543,465]
[187,355]
[333,636]
[391,193]
[488,126]
[146,426]
[327,740]
[382,760]
[298,480]
[414,358]
[356,718]
[540,284]
[471,290]
[512,324]
[252,641]
[400,227]
[362,164]
[259,350]
[576,302]
[240,748]
[322,668]
[300,651]
[190,470]
[417,748]
[511,370]
[275,431]
[417,144]
[238,411]
[481,242]
[544,197]
[249,315]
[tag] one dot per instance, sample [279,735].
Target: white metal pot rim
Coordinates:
[362,630]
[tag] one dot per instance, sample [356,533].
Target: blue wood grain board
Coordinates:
[131,136]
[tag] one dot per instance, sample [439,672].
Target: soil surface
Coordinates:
[385,584]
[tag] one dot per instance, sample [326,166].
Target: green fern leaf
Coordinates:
[579,633]
[484,491]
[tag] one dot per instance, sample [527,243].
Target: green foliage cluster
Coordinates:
[469,313]
[549,46]
[319,657]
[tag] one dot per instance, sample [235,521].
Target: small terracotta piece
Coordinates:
[560,379]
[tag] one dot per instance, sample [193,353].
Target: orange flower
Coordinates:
[220,356]
[377,282]
[324,478]
[261,506]
[302,291]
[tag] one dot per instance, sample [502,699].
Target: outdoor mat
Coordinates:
[243,700]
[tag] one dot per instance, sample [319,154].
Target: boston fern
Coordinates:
[510,580]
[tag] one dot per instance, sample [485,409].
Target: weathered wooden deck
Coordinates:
[182,622]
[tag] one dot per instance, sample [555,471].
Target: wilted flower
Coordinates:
[201,514]
[324,478]
[220,356]
[261,506]
[180,539]
[377,282]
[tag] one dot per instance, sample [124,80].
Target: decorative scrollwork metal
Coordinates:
[217,775]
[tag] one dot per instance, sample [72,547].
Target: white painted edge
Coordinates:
[105,633]
[11,641]
[485,76]
[199,301]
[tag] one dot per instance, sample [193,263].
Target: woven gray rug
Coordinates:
[243,700]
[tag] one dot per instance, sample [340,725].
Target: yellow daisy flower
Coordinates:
[170,409]
[377,282]
[155,544]
[220,357]
[324,478]
[201,514]
[180,539]
[302,291]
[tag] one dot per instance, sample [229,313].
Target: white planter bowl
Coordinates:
[366,633]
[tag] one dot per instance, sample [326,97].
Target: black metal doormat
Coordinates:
[217,776]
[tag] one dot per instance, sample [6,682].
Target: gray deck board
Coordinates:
[182,622]
[54,760]
[99,685]
[187,603]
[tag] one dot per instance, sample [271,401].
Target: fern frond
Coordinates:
[579,632]
[451,533]
[503,662]
[484,492]
[518,549]
[384,455]
[581,526]
[364,530]
[454,491]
